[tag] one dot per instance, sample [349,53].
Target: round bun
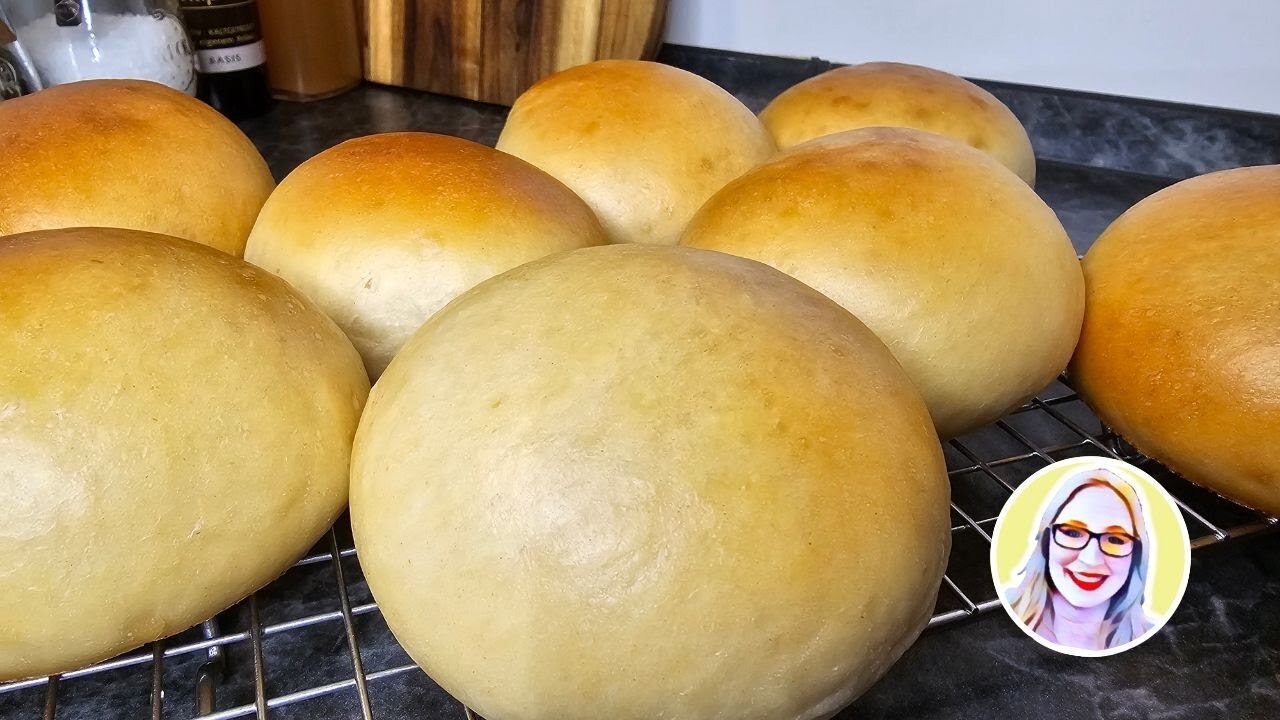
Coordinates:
[175,428]
[1180,351]
[951,259]
[644,482]
[128,154]
[383,231]
[644,144]
[883,94]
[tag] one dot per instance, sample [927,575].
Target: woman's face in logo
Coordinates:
[1087,576]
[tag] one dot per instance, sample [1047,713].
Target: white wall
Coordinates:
[1223,53]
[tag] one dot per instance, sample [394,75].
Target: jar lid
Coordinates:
[67,13]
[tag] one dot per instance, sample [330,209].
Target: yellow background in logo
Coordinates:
[1016,531]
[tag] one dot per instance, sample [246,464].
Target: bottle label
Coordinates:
[225,33]
[231,59]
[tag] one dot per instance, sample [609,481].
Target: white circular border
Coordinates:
[1114,465]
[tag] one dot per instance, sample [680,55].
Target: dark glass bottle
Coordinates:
[230,57]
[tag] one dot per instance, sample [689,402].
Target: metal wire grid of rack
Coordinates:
[297,649]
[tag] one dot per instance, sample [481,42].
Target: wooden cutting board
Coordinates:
[492,50]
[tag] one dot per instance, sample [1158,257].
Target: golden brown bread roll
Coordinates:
[884,94]
[382,231]
[175,427]
[1180,351]
[128,154]
[953,261]
[644,144]
[636,482]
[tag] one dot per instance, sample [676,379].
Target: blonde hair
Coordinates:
[1125,619]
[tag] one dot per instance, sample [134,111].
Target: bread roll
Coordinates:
[953,261]
[640,482]
[896,95]
[175,427]
[128,154]
[644,144]
[1180,351]
[382,231]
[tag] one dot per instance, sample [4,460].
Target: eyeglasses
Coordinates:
[1074,537]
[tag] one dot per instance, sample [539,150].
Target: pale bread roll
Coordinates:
[885,94]
[175,428]
[955,263]
[644,144]
[638,482]
[128,154]
[384,230]
[1180,351]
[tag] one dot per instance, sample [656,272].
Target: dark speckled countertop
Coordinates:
[1218,658]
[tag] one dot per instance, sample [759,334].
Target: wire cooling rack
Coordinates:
[313,644]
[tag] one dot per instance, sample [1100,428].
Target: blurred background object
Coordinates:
[313,47]
[492,50]
[230,55]
[17,76]
[70,40]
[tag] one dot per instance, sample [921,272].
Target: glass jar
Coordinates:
[70,40]
[313,47]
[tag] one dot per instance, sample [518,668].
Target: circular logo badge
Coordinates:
[1090,556]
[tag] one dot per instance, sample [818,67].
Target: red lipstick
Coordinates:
[1086,581]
